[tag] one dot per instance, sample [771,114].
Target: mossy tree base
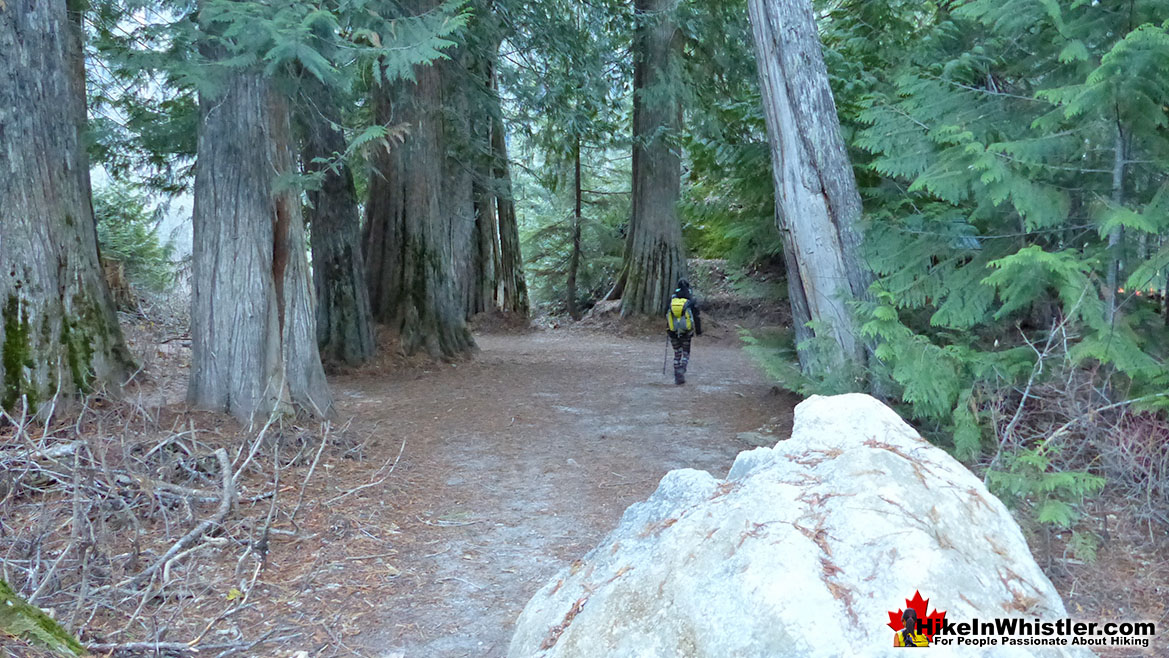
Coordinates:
[30,624]
[58,331]
[408,251]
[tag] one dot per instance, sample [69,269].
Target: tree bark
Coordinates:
[253,331]
[58,331]
[818,207]
[512,296]
[1116,235]
[344,322]
[407,244]
[457,201]
[574,257]
[485,250]
[654,258]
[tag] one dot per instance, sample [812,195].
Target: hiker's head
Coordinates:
[909,618]
[683,288]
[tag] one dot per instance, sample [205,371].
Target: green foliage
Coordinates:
[150,60]
[1053,495]
[986,138]
[564,75]
[545,209]
[127,232]
[728,204]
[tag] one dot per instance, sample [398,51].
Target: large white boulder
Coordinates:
[803,550]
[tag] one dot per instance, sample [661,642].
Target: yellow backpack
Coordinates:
[679,319]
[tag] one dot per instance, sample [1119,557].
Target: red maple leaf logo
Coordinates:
[930,623]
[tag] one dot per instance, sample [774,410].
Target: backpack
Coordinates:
[680,319]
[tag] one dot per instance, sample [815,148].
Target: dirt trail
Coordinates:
[517,463]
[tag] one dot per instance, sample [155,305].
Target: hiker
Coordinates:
[682,322]
[908,636]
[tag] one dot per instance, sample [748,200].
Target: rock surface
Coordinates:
[802,551]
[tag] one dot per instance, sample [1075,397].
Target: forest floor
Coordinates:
[448,493]
[513,465]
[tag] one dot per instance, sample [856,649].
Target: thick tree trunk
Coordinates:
[574,257]
[818,208]
[58,330]
[344,323]
[408,246]
[512,294]
[654,258]
[253,331]
[457,201]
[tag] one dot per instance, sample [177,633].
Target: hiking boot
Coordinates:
[679,376]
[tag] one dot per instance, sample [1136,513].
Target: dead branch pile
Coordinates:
[119,523]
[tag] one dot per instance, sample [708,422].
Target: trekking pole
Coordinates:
[665,355]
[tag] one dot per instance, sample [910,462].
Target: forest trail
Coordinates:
[513,465]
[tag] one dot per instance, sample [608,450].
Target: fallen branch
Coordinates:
[372,484]
[198,531]
[154,647]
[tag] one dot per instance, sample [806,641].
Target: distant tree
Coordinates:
[407,241]
[477,175]
[344,321]
[128,234]
[654,254]
[58,332]
[818,207]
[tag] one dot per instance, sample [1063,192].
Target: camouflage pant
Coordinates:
[681,345]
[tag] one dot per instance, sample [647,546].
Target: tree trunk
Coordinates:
[512,294]
[574,258]
[486,256]
[457,201]
[411,278]
[1116,235]
[253,332]
[818,207]
[58,331]
[485,252]
[654,257]
[344,323]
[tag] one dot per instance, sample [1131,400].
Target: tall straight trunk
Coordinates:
[654,257]
[457,200]
[818,207]
[344,322]
[486,248]
[1116,235]
[58,331]
[485,251]
[253,330]
[512,294]
[574,257]
[407,244]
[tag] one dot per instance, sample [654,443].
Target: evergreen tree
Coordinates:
[654,254]
[408,246]
[59,333]
[344,321]
[818,206]
[1014,183]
